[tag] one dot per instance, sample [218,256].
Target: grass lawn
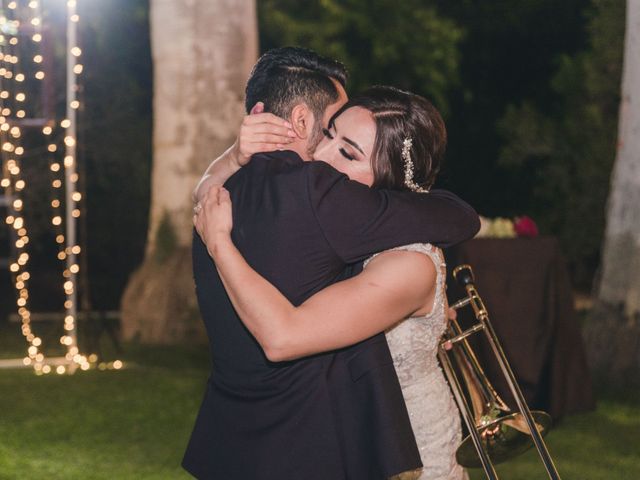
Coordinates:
[134,424]
[128,424]
[601,445]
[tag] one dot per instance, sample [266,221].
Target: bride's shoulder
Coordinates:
[426,249]
[415,263]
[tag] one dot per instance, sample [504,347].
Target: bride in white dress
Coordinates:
[413,343]
[390,139]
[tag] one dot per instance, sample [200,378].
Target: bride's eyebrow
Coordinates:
[353,144]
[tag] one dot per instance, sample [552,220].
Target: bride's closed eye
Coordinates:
[344,153]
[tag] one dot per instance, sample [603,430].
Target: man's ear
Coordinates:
[302,120]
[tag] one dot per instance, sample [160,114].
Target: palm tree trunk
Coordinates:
[613,329]
[202,52]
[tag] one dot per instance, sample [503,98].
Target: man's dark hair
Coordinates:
[284,77]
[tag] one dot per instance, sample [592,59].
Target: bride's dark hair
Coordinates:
[399,115]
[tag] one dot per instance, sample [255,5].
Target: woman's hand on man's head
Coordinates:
[261,132]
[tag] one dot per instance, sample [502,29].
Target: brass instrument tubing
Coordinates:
[515,389]
[476,328]
[473,431]
[461,303]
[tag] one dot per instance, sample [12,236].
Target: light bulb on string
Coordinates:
[10,70]
[18,267]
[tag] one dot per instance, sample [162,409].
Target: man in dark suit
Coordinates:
[304,225]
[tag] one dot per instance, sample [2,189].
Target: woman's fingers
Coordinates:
[263,137]
[268,118]
[223,196]
[257,108]
[210,196]
[215,214]
[250,132]
[216,195]
[263,132]
[267,138]
[267,147]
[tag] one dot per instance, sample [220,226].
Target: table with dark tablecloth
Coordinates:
[526,289]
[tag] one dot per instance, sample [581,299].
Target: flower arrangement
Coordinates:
[502,227]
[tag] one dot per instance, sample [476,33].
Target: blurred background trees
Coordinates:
[408,44]
[567,143]
[529,90]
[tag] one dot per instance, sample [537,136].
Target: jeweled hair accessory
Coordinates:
[408,168]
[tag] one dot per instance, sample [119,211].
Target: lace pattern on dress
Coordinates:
[434,415]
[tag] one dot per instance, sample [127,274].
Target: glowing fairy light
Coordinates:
[14,96]
[10,133]
[69,124]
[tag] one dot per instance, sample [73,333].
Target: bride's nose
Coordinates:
[322,150]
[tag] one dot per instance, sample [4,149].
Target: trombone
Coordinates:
[496,434]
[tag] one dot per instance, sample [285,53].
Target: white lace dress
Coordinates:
[433,412]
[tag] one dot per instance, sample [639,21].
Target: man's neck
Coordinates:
[300,147]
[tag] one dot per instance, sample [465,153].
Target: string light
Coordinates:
[13,101]
[12,183]
[36,22]
[73,52]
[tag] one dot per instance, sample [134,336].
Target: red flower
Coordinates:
[525,227]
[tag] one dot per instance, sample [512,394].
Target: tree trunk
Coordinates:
[613,329]
[203,51]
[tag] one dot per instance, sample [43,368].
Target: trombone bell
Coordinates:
[496,434]
[504,438]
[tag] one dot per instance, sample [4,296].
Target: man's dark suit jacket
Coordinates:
[332,416]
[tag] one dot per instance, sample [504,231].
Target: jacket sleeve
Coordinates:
[358,221]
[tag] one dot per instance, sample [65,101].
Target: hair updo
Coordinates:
[399,115]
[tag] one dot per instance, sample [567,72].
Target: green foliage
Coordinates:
[407,44]
[166,239]
[508,55]
[570,147]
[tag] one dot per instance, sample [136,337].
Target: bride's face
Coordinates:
[348,144]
